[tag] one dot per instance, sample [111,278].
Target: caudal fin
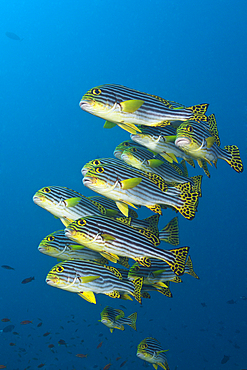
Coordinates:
[170,233]
[132,318]
[190,200]
[189,268]
[233,158]
[180,257]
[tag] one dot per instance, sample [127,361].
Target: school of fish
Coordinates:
[104,247]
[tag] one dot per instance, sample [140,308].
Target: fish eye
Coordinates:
[96,91]
[126,143]
[144,346]
[46,190]
[99,169]
[59,268]
[189,128]
[50,238]
[96,162]
[81,222]
[134,150]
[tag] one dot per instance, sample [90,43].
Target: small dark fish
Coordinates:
[62,342]
[41,365]
[13,36]
[8,328]
[12,344]
[27,280]
[39,325]
[123,363]
[225,359]
[107,366]
[15,333]
[46,334]
[121,305]
[118,358]
[203,304]
[5,319]
[7,267]
[231,301]
[25,322]
[99,345]
[81,355]
[243,298]
[3,367]
[51,346]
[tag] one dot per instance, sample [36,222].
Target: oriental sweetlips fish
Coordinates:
[131,187]
[114,319]
[87,277]
[126,107]
[150,350]
[113,238]
[200,143]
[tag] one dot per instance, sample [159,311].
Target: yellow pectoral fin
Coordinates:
[163,285]
[71,202]
[88,279]
[153,163]
[167,157]
[88,296]
[66,221]
[130,183]
[157,272]
[127,128]
[210,141]
[110,256]
[163,350]
[108,237]
[170,138]
[130,106]
[76,247]
[109,124]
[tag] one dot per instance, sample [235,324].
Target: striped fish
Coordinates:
[159,140]
[143,159]
[66,204]
[129,186]
[59,246]
[114,319]
[198,142]
[150,350]
[86,278]
[113,238]
[159,273]
[125,107]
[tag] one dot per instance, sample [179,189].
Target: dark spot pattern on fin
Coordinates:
[235,162]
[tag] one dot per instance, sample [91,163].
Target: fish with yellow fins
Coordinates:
[126,107]
[114,319]
[150,350]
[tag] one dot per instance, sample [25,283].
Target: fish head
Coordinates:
[143,351]
[188,136]
[52,245]
[121,147]
[62,276]
[79,231]
[90,165]
[101,179]
[99,101]
[132,157]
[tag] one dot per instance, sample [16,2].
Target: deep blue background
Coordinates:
[188,51]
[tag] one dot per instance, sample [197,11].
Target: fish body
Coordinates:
[143,159]
[27,280]
[86,278]
[129,186]
[13,36]
[198,142]
[7,267]
[127,107]
[66,204]
[114,319]
[156,139]
[113,238]
[150,350]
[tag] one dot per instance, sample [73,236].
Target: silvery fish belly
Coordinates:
[65,203]
[154,138]
[128,107]
[129,186]
[113,238]
[59,246]
[87,277]
[200,143]
[150,350]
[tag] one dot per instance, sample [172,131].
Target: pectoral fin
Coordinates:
[123,208]
[71,202]
[170,138]
[130,183]
[76,247]
[210,141]
[110,256]
[88,296]
[153,163]
[88,279]
[130,106]
[107,237]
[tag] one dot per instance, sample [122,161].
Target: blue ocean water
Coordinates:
[187,51]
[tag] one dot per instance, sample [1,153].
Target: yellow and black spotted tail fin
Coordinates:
[189,268]
[180,257]
[197,184]
[138,282]
[199,112]
[232,157]
[164,290]
[132,319]
[153,223]
[170,233]
[190,200]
